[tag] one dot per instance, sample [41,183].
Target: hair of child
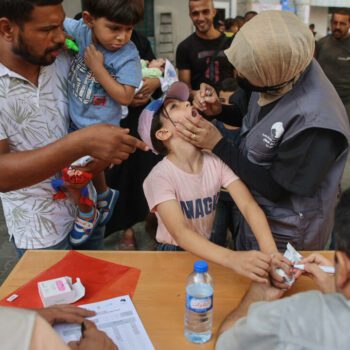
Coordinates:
[127,12]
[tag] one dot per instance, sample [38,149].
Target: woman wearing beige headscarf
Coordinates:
[272,57]
[293,142]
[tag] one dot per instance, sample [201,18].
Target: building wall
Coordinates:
[242,6]
[319,16]
[181,23]
[72,7]
[330,3]
[230,7]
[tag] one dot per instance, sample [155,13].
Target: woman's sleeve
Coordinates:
[299,166]
[254,176]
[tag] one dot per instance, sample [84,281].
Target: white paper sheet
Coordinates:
[118,318]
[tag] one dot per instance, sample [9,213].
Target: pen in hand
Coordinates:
[328,269]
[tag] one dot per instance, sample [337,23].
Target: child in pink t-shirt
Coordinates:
[183,189]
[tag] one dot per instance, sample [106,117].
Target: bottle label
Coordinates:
[199,304]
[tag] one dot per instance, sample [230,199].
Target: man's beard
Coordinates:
[338,34]
[22,50]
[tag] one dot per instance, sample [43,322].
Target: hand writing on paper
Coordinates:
[64,314]
[93,339]
[324,280]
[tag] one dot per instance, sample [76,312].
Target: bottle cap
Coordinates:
[200,266]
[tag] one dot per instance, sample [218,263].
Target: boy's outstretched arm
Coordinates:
[123,94]
[252,264]
[26,168]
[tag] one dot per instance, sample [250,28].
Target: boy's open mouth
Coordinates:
[195,113]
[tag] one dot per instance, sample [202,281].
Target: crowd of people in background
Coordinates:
[273,110]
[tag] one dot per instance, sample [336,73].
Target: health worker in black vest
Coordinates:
[294,139]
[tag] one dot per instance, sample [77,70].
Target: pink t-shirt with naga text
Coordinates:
[197,194]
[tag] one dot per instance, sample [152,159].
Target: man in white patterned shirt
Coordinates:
[34,123]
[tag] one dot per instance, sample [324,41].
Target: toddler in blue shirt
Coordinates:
[103,77]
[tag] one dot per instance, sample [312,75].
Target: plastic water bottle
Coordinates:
[199,304]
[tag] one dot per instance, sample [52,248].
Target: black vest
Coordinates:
[306,222]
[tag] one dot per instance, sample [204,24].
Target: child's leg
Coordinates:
[222,220]
[86,220]
[106,198]
[99,182]
[168,247]
[219,232]
[127,241]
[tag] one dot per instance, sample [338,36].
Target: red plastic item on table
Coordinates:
[102,280]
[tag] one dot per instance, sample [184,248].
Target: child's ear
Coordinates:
[88,19]
[163,134]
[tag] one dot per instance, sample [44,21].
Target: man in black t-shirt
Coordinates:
[333,54]
[200,58]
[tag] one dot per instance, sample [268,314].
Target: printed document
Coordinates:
[118,318]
